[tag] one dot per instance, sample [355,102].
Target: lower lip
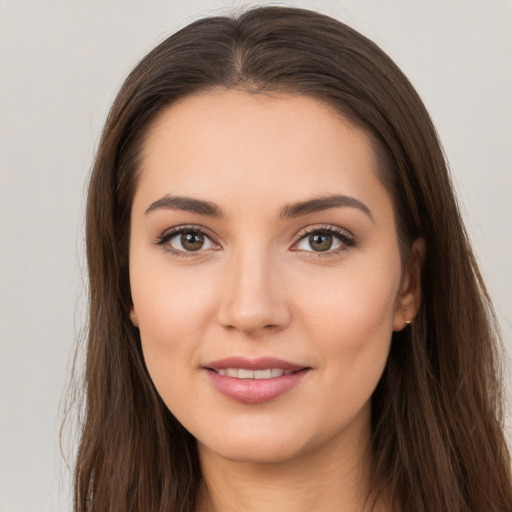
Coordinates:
[255,391]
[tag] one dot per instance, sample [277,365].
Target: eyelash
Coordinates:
[165,237]
[347,239]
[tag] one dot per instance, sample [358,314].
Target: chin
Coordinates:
[257,452]
[269,445]
[263,441]
[260,444]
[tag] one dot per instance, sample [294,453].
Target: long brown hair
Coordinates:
[438,442]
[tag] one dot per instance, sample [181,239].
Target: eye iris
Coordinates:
[320,241]
[192,241]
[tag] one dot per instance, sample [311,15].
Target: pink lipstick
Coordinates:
[254,381]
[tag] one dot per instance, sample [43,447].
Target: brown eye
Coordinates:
[182,241]
[325,240]
[320,241]
[192,240]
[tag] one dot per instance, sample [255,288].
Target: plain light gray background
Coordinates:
[61,62]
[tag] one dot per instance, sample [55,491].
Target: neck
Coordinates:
[332,477]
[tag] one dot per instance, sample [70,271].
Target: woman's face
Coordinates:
[265,273]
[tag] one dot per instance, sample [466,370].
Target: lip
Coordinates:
[254,391]
[261,363]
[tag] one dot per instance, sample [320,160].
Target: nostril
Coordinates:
[250,310]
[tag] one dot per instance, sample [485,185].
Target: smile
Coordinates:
[254,381]
[243,373]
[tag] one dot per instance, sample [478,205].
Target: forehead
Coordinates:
[229,144]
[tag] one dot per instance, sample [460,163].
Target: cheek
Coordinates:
[352,301]
[173,310]
[350,316]
[352,324]
[170,301]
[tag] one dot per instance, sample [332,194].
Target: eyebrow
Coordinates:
[324,203]
[201,207]
[187,204]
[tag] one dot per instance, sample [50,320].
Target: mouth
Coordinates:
[244,373]
[254,381]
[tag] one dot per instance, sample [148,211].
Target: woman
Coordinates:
[285,312]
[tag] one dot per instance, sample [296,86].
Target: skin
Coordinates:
[259,288]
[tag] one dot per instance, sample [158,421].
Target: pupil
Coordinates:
[320,241]
[192,241]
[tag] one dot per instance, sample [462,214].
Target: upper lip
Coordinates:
[262,363]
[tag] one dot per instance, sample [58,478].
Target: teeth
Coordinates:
[245,374]
[262,374]
[242,373]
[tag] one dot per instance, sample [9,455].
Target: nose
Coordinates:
[254,297]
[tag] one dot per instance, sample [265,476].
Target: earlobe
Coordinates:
[133,317]
[409,301]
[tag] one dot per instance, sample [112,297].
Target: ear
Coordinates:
[409,300]
[133,317]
